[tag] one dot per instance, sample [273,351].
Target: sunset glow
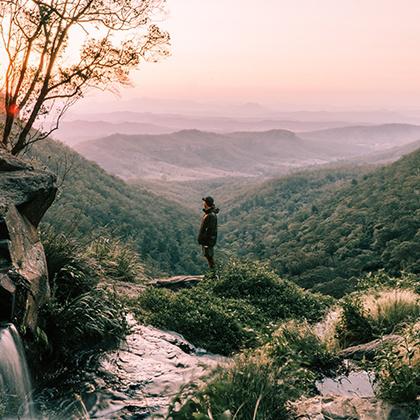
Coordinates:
[311,52]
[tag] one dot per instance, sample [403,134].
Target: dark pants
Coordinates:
[208,252]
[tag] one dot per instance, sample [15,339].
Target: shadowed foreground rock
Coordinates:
[335,407]
[25,195]
[138,380]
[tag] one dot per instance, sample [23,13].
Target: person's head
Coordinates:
[208,202]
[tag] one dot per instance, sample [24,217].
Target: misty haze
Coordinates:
[209,210]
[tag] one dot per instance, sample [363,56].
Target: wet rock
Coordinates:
[345,408]
[25,195]
[355,383]
[177,282]
[148,371]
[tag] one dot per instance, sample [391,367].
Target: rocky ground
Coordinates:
[142,377]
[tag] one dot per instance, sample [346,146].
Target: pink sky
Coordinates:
[313,53]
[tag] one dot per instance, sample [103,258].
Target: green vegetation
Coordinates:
[90,202]
[380,307]
[260,383]
[323,231]
[354,326]
[237,310]
[382,280]
[93,319]
[296,339]
[81,314]
[397,369]
[116,260]
[227,190]
[393,308]
[384,305]
[2,406]
[250,390]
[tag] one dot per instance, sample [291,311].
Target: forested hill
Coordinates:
[323,235]
[90,199]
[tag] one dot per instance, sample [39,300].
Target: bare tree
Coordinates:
[39,79]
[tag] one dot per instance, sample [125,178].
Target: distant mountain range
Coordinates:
[87,109]
[196,155]
[92,126]
[193,154]
[378,137]
[73,132]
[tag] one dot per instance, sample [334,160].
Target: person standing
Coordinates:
[207,236]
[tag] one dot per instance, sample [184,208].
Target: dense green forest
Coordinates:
[90,200]
[321,228]
[324,229]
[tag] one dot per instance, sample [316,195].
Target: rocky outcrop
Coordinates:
[25,195]
[137,381]
[177,282]
[335,407]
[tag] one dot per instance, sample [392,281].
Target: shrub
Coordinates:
[70,271]
[253,388]
[80,315]
[99,257]
[353,326]
[261,382]
[296,340]
[2,406]
[236,311]
[397,369]
[59,249]
[116,260]
[260,286]
[381,280]
[376,312]
[206,321]
[391,309]
[93,319]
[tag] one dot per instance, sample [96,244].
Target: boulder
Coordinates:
[25,194]
[337,407]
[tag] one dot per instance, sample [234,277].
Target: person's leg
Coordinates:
[208,252]
[210,260]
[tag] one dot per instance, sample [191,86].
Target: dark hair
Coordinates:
[209,201]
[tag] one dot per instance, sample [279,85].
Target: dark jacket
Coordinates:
[208,229]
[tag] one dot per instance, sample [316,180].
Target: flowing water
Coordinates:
[15,383]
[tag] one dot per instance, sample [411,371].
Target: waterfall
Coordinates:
[15,384]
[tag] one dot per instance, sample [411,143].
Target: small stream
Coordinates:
[137,381]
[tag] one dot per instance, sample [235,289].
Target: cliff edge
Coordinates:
[25,195]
